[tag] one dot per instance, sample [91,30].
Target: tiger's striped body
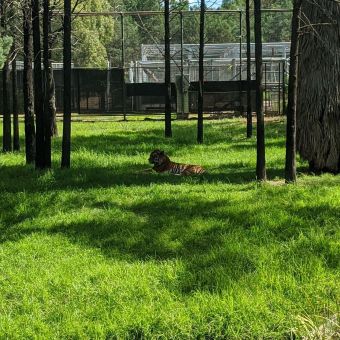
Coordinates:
[162,163]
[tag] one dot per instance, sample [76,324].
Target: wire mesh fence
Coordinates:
[118,62]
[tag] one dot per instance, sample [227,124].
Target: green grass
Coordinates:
[102,251]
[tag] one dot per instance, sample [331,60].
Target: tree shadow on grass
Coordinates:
[166,229]
[29,180]
[211,238]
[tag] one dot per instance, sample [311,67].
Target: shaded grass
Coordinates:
[102,251]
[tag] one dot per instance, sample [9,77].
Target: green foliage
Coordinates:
[5,46]
[105,251]
[92,35]
[98,40]
[275,26]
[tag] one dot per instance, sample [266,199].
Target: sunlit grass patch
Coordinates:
[104,251]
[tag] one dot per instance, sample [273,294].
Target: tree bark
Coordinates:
[38,88]
[290,169]
[66,145]
[52,95]
[201,76]
[28,84]
[7,133]
[249,110]
[318,109]
[54,126]
[16,141]
[261,152]
[167,80]
[48,88]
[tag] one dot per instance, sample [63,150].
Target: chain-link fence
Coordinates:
[118,61]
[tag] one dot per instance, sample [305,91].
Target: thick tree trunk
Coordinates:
[201,76]
[48,88]
[249,111]
[16,142]
[290,169]
[66,147]
[167,80]
[318,110]
[38,88]
[261,152]
[28,84]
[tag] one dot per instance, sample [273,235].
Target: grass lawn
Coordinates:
[102,251]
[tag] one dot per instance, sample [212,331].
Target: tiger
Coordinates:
[162,163]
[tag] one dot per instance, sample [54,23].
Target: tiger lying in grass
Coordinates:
[162,163]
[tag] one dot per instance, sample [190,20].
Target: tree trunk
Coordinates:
[38,88]
[28,84]
[201,76]
[7,133]
[48,88]
[66,147]
[261,152]
[16,142]
[54,126]
[318,109]
[167,80]
[249,111]
[290,169]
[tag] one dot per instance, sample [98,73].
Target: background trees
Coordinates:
[5,45]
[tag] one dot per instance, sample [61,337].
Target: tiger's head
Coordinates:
[158,157]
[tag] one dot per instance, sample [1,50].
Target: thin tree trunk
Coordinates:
[66,147]
[16,142]
[167,80]
[249,111]
[261,152]
[201,76]
[38,88]
[7,133]
[28,84]
[48,88]
[54,126]
[290,169]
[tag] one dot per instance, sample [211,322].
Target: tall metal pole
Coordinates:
[123,63]
[167,64]
[201,76]
[182,63]
[240,32]
[240,40]
[249,109]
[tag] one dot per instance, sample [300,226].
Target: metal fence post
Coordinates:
[123,63]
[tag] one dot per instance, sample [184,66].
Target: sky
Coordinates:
[209,3]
